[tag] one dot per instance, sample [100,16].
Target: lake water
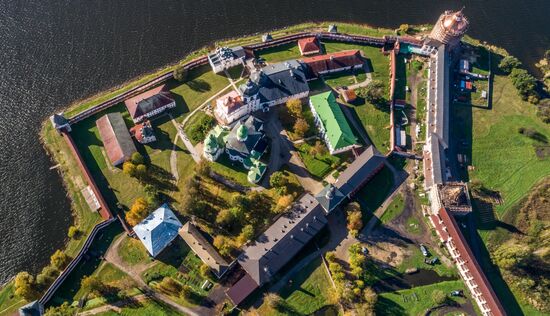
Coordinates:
[55,52]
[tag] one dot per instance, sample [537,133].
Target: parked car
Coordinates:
[432,261]
[457,293]
[424,250]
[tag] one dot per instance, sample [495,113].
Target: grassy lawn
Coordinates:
[319,165]
[415,301]
[416,260]
[9,303]
[143,308]
[178,262]
[232,170]
[308,291]
[132,251]
[400,92]
[393,210]
[341,79]
[372,195]
[280,53]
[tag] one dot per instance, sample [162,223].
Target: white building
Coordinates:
[230,107]
[224,58]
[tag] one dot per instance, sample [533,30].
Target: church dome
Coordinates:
[242,133]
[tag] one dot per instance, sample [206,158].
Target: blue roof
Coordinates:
[158,229]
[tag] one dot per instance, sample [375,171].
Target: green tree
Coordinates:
[204,271]
[439,297]
[224,245]
[137,159]
[181,74]
[46,277]
[278,179]
[374,91]
[524,82]
[62,310]
[141,172]
[152,195]
[508,63]
[25,286]
[301,127]
[404,29]
[129,168]
[247,233]
[294,107]
[59,260]
[511,254]
[226,218]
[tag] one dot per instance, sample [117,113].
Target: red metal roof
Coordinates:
[348,58]
[162,100]
[309,45]
[240,290]
[449,224]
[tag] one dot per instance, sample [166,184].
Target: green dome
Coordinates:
[242,132]
[210,144]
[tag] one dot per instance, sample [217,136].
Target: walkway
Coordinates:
[134,272]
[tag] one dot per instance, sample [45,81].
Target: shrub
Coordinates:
[508,63]
[59,260]
[137,159]
[25,286]
[73,232]
[181,74]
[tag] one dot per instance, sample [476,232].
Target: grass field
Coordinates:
[280,53]
[319,165]
[307,293]
[345,78]
[143,308]
[132,251]
[232,170]
[394,209]
[414,301]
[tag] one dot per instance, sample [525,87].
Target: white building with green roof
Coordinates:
[214,143]
[332,124]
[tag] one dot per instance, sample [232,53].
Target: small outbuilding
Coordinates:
[158,230]
[309,46]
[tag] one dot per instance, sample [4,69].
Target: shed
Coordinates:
[118,143]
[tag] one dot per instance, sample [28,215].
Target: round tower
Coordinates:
[450,27]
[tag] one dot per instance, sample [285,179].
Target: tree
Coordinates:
[369,296]
[204,271]
[294,107]
[247,233]
[137,159]
[224,245]
[92,284]
[62,310]
[129,168]
[25,286]
[278,179]
[202,168]
[181,74]
[301,127]
[439,297]
[186,292]
[73,232]
[524,82]
[59,260]
[284,202]
[137,212]
[374,91]
[510,254]
[404,29]
[46,277]
[141,172]
[225,218]
[508,63]
[318,149]
[152,195]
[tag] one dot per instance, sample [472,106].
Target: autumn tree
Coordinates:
[278,179]
[318,149]
[247,233]
[62,310]
[129,168]
[204,271]
[294,107]
[301,127]
[404,29]
[284,202]
[137,159]
[186,292]
[224,245]
[137,212]
[92,284]
[74,232]
[25,286]
[59,260]
[225,218]
[354,218]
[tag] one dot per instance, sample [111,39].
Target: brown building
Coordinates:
[340,61]
[117,141]
[309,46]
[149,104]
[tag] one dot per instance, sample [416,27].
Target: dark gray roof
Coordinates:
[277,81]
[438,160]
[330,197]
[283,240]
[360,171]
[442,96]
[245,148]
[58,120]
[32,309]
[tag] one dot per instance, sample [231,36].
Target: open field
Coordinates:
[394,209]
[307,293]
[414,301]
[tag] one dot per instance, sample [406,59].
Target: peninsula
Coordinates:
[322,168]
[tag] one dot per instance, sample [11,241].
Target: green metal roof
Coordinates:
[242,132]
[211,144]
[256,171]
[338,131]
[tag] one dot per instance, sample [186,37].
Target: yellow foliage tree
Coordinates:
[283,202]
[25,286]
[137,212]
[301,127]
[294,107]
